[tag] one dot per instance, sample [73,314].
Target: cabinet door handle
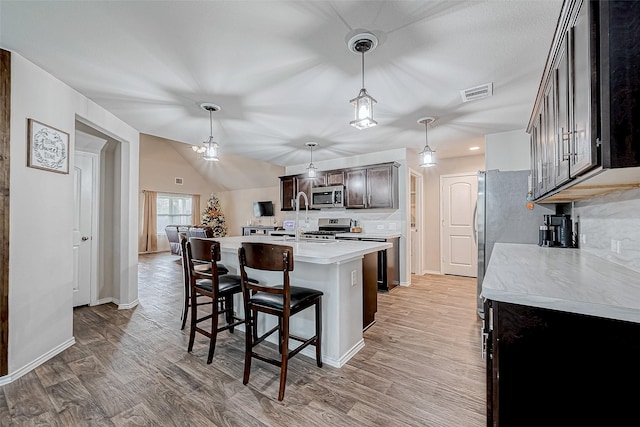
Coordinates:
[485,338]
[565,136]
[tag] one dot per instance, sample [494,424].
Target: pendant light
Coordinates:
[427,155]
[211,147]
[363,103]
[311,169]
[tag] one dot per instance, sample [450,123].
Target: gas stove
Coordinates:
[328,228]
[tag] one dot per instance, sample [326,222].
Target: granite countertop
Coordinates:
[569,280]
[312,251]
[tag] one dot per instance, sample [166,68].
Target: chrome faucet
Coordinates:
[306,212]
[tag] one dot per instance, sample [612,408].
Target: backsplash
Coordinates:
[371,221]
[610,226]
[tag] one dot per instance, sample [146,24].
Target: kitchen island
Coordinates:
[560,337]
[332,266]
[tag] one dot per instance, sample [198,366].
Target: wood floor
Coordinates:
[421,366]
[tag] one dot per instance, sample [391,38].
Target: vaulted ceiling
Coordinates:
[282,71]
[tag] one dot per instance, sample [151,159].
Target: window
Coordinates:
[173,209]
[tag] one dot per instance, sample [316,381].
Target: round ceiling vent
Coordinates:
[362,43]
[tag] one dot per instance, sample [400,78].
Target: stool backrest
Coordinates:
[203,251]
[268,257]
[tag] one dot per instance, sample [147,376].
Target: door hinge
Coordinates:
[598,142]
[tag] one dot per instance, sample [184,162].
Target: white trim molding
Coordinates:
[39,361]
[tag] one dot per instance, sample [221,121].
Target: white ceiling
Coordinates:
[282,71]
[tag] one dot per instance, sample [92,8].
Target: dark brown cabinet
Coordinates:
[586,117]
[372,187]
[554,368]
[335,177]
[366,187]
[287,193]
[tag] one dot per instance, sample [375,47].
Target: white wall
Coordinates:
[41,218]
[614,216]
[507,151]
[237,206]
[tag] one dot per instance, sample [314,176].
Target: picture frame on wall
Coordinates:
[47,147]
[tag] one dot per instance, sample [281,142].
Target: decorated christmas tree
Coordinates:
[214,218]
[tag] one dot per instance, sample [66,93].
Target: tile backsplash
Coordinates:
[609,227]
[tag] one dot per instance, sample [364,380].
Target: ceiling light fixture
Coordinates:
[311,169]
[363,103]
[210,152]
[427,155]
[474,148]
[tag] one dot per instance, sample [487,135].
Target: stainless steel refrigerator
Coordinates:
[503,217]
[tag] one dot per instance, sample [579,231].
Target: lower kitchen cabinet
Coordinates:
[554,368]
[369,290]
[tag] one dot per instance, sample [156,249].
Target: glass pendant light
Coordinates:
[363,103]
[311,169]
[427,155]
[211,147]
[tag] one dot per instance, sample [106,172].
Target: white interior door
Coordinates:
[83,186]
[458,198]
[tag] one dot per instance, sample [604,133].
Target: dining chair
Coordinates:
[281,300]
[203,268]
[218,288]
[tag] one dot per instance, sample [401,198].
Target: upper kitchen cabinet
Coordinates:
[585,125]
[335,177]
[291,185]
[287,193]
[372,187]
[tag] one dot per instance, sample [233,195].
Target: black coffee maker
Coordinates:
[555,231]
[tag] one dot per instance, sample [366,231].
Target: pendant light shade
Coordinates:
[311,169]
[427,155]
[363,103]
[211,147]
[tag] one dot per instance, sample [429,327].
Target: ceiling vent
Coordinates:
[477,92]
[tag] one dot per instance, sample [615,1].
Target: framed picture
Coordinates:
[47,147]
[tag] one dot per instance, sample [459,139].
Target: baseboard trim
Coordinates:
[101,301]
[437,272]
[39,361]
[128,306]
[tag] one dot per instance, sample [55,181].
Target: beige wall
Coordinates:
[237,207]
[163,160]
[431,195]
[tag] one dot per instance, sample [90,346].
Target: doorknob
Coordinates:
[85,238]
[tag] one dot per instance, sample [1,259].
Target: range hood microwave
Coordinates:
[327,197]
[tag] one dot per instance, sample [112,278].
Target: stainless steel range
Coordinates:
[328,228]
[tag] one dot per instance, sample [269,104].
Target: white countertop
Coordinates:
[569,280]
[371,235]
[314,251]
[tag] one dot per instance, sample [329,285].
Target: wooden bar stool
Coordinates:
[202,267]
[282,300]
[219,288]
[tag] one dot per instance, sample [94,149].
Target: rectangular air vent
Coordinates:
[178,181]
[477,92]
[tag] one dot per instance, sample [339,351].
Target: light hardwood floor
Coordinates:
[421,366]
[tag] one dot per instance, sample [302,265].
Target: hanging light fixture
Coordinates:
[427,155]
[363,103]
[311,169]
[210,148]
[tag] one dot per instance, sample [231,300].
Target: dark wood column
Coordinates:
[5,115]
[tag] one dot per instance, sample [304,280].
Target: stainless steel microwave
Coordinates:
[327,197]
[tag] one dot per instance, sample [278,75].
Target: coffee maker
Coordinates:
[555,231]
